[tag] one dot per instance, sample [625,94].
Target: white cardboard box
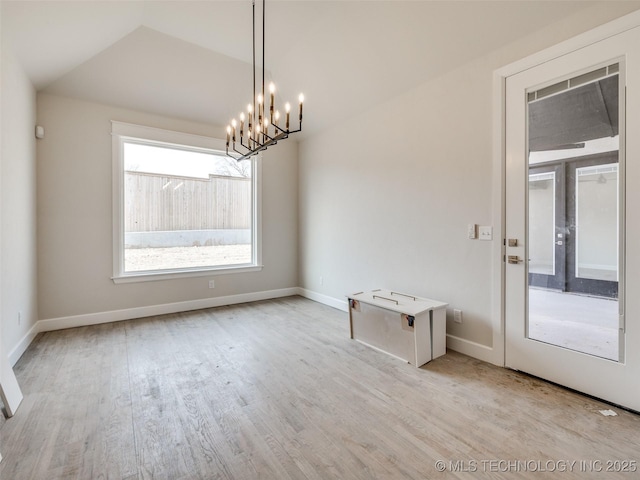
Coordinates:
[407,327]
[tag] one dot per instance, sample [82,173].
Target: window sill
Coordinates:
[190,273]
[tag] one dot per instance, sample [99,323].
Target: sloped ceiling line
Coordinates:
[192,55]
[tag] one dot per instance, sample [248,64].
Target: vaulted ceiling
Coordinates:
[192,59]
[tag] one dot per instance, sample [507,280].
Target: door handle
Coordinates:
[514,259]
[559,242]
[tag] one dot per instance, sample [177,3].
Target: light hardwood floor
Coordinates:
[277,390]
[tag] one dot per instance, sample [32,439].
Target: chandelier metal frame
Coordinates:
[261,132]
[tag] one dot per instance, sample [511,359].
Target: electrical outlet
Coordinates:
[472,229]
[212,284]
[457,316]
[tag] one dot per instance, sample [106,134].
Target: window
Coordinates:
[181,206]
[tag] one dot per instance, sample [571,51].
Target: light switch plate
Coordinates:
[471,231]
[485,232]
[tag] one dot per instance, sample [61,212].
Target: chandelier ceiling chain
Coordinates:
[261,132]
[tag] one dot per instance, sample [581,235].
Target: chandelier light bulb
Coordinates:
[241,126]
[228,129]
[260,98]
[272,98]
[234,124]
[277,115]
[287,108]
[250,108]
[301,98]
[266,122]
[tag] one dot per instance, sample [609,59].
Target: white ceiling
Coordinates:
[192,59]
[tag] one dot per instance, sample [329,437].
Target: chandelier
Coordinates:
[262,130]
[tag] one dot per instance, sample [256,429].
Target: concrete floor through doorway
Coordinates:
[578,322]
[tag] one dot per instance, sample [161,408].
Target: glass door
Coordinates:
[570,247]
[594,225]
[573,222]
[547,227]
[573,240]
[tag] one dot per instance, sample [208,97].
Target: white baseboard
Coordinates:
[325,299]
[473,349]
[60,323]
[466,347]
[23,344]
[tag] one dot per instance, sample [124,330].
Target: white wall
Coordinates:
[75,220]
[18,284]
[385,197]
[2,350]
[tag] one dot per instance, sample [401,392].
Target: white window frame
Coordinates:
[122,132]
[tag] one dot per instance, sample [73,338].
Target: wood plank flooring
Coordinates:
[277,390]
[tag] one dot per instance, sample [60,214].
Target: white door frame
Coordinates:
[615,27]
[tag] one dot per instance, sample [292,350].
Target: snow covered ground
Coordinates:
[139,259]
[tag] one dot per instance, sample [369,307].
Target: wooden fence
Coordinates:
[164,203]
